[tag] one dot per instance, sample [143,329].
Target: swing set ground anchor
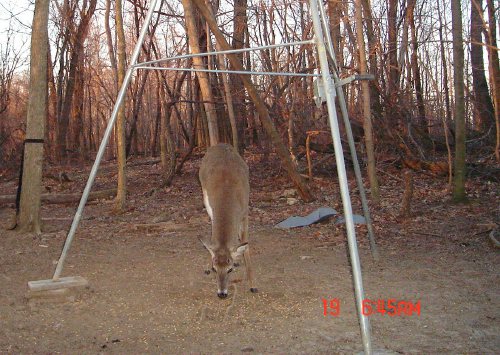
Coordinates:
[60,283]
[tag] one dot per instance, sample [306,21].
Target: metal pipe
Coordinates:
[244,72]
[342,175]
[357,171]
[350,138]
[121,95]
[229,51]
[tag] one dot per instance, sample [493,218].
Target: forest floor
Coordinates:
[148,293]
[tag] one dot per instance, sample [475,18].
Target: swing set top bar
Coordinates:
[153,64]
[243,72]
[231,51]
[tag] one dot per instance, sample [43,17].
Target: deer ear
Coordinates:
[239,250]
[207,247]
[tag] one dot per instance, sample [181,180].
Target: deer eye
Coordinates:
[230,270]
[213,269]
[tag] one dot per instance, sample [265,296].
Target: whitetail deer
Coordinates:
[224,181]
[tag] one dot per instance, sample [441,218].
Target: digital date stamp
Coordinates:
[391,307]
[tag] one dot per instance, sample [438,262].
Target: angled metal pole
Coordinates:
[357,172]
[350,140]
[121,95]
[342,175]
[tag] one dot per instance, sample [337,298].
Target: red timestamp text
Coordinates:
[390,307]
[331,307]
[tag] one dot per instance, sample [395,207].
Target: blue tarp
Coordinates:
[318,215]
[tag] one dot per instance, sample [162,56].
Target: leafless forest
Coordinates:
[167,113]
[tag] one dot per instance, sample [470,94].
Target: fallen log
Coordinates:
[64,197]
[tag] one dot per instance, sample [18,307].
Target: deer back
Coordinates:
[224,180]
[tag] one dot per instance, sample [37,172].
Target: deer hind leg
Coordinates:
[246,255]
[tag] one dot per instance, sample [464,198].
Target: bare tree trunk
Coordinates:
[417,82]
[230,110]
[121,191]
[229,103]
[157,123]
[393,69]
[367,120]
[228,96]
[205,88]
[74,67]
[112,59]
[394,120]
[168,156]
[373,48]
[444,67]
[140,84]
[109,41]
[52,119]
[446,115]
[239,30]
[29,212]
[334,14]
[76,123]
[136,108]
[483,107]
[407,195]
[267,123]
[458,82]
[494,69]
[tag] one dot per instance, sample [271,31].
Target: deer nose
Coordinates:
[222,294]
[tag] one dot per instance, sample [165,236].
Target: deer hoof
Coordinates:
[254,290]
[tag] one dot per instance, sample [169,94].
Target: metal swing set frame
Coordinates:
[327,87]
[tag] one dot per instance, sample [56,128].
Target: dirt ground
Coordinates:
[148,293]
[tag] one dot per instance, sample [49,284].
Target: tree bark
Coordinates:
[393,69]
[206,91]
[373,48]
[367,120]
[267,123]
[239,30]
[29,212]
[334,14]
[121,192]
[169,155]
[52,109]
[407,194]
[109,41]
[483,107]
[495,70]
[458,83]
[444,67]
[228,96]
[417,82]
[74,66]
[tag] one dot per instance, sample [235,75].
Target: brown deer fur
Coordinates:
[224,181]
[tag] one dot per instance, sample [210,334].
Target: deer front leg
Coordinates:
[208,269]
[246,255]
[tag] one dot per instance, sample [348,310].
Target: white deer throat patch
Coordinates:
[207,204]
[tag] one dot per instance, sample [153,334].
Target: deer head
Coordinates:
[223,263]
